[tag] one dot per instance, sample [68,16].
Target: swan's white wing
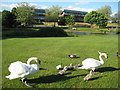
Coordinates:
[19,68]
[90,62]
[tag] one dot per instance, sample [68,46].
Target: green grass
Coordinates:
[95,30]
[53,51]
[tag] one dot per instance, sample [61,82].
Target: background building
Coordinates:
[39,15]
[79,15]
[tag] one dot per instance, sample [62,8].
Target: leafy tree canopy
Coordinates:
[96,18]
[24,13]
[52,13]
[8,19]
[106,11]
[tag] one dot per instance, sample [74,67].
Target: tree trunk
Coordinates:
[91,25]
[54,24]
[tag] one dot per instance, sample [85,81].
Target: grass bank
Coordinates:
[110,28]
[53,51]
[94,30]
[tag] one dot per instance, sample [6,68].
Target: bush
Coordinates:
[42,32]
[70,20]
[61,21]
[52,32]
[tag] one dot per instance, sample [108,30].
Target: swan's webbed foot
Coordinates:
[88,76]
[27,84]
[91,72]
[24,80]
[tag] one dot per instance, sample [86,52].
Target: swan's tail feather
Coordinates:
[11,77]
[82,67]
[7,76]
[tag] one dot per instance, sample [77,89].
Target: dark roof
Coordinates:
[74,11]
[39,10]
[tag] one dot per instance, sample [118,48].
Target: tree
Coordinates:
[0,21]
[13,11]
[0,17]
[102,21]
[90,18]
[70,20]
[96,18]
[52,14]
[8,19]
[105,10]
[24,13]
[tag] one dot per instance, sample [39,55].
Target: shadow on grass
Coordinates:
[77,57]
[95,78]
[52,78]
[42,69]
[31,32]
[106,69]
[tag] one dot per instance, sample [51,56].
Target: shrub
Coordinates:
[70,20]
[51,32]
[61,21]
[42,32]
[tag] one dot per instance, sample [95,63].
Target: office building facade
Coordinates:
[79,15]
[39,15]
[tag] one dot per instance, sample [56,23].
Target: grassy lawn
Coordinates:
[95,30]
[53,51]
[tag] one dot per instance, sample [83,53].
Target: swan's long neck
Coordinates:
[29,61]
[101,60]
[35,66]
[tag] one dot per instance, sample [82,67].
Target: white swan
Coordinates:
[91,63]
[59,67]
[22,70]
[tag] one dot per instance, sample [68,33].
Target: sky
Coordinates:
[80,5]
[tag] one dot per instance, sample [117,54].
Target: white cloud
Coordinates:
[113,14]
[39,6]
[4,6]
[79,9]
[81,3]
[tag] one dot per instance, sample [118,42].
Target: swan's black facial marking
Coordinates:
[38,61]
[107,57]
